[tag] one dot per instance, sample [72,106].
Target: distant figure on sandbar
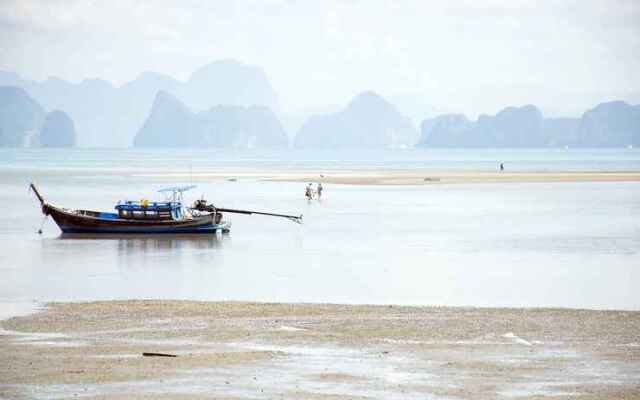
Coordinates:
[309,192]
[319,190]
[501,167]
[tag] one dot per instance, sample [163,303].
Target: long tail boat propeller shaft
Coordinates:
[202,205]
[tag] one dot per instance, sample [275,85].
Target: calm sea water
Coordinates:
[161,160]
[533,244]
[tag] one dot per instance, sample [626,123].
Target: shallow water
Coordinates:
[517,244]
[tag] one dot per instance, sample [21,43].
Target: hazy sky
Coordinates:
[469,56]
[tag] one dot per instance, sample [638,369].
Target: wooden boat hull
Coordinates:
[71,221]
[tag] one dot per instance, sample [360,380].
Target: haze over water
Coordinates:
[491,244]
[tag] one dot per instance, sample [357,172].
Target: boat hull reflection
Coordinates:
[144,242]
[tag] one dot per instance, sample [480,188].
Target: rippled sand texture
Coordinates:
[301,351]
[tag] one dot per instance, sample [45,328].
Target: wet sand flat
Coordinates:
[365,176]
[235,350]
[408,177]
[426,177]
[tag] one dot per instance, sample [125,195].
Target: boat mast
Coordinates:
[35,191]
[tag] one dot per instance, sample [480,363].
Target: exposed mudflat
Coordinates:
[313,351]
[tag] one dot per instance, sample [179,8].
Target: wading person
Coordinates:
[319,190]
[308,192]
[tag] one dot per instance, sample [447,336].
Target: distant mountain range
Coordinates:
[23,122]
[108,116]
[368,121]
[172,124]
[614,124]
[230,104]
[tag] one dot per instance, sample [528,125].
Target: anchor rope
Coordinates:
[42,223]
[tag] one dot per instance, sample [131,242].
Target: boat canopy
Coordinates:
[179,189]
[174,193]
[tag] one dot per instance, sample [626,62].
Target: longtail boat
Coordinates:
[144,216]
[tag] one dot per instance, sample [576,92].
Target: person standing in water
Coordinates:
[501,167]
[308,192]
[319,190]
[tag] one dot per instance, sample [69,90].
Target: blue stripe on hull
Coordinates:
[201,229]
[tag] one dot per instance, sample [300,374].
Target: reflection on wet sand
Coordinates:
[154,242]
